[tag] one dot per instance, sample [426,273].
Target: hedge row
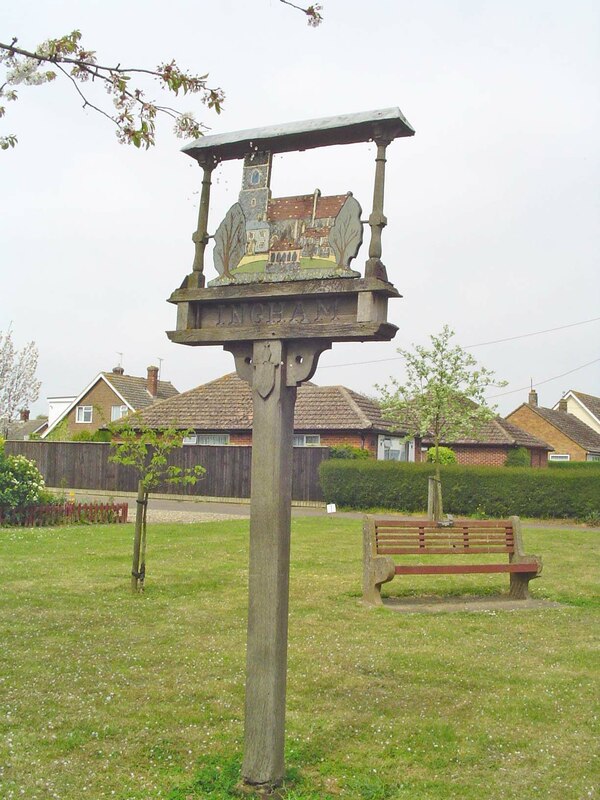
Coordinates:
[486,491]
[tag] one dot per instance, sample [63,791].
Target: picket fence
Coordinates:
[63,514]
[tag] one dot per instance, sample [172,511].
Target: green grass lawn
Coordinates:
[108,695]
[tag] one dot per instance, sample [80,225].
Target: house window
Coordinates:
[84,414]
[207,438]
[116,412]
[593,457]
[559,457]
[307,440]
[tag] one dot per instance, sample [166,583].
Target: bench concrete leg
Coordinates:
[377,570]
[519,585]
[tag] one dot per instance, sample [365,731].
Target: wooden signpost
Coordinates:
[285,292]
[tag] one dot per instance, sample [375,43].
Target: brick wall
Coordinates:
[101,397]
[527,419]
[367,441]
[491,455]
[484,455]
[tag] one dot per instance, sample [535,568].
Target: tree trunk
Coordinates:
[434,488]
[434,499]
[140,519]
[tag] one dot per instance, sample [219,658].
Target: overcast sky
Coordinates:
[492,207]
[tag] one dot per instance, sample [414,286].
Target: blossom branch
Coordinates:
[312,12]
[135,116]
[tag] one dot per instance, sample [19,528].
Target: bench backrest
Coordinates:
[423,537]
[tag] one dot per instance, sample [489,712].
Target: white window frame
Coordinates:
[307,440]
[559,457]
[117,412]
[592,457]
[208,439]
[82,412]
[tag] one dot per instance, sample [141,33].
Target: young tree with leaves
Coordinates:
[147,450]
[18,385]
[443,396]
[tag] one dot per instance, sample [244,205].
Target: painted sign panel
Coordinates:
[264,239]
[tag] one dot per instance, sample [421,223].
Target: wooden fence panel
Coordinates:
[85,465]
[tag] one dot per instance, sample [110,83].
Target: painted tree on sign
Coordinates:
[18,385]
[443,396]
[230,241]
[146,450]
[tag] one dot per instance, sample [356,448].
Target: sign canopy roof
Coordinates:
[324,132]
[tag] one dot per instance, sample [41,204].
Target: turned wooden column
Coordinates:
[200,236]
[377,220]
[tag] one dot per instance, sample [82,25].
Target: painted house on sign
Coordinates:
[306,236]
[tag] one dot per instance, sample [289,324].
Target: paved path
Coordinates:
[163,509]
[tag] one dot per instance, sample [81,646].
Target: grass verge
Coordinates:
[107,695]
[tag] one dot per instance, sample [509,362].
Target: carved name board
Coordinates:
[349,310]
[277,312]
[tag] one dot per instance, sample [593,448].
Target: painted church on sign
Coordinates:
[285,238]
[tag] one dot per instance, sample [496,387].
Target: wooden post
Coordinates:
[270,519]
[137,536]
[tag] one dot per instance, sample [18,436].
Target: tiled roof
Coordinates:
[20,429]
[572,427]
[226,404]
[135,392]
[499,431]
[336,408]
[590,402]
[301,207]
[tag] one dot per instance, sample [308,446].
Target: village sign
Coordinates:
[285,290]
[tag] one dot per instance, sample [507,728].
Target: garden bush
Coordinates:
[445,455]
[348,451]
[21,483]
[518,457]
[486,491]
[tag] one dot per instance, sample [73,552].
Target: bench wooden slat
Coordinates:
[430,525]
[401,540]
[459,569]
[458,550]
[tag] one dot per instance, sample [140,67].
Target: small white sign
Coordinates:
[331,509]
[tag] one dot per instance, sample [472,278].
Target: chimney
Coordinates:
[118,370]
[533,398]
[152,385]
[24,414]
[562,404]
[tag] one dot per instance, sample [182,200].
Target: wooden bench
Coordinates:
[383,538]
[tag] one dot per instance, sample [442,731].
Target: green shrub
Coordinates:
[493,491]
[89,436]
[445,455]
[518,457]
[21,482]
[348,451]
[571,465]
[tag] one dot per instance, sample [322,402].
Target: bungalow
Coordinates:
[493,444]
[220,413]
[570,437]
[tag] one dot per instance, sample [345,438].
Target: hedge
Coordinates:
[485,491]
